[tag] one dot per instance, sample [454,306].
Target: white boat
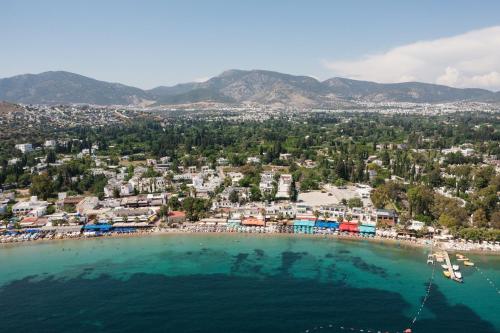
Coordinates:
[444,266]
[458,275]
[455,267]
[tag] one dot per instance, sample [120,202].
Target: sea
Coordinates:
[240,283]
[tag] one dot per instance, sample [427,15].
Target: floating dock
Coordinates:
[450,267]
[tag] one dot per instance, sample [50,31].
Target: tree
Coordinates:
[173,203]
[420,199]
[41,185]
[51,209]
[255,194]
[434,178]
[163,212]
[194,208]
[51,156]
[293,191]
[386,159]
[355,202]
[483,176]
[495,220]
[447,221]
[380,197]
[233,196]
[451,208]
[385,194]
[479,218]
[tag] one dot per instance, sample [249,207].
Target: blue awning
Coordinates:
[98,227]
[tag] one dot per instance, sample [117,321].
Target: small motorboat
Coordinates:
[458,255]
[447,274]
[430,259]
[456,267]
[458,275]
[468,263]
[462,259]
[444,266]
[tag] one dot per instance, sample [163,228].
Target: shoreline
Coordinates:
[401,243]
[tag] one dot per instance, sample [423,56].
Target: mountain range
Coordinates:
[232,87]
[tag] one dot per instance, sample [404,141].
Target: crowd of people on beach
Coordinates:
[457,245]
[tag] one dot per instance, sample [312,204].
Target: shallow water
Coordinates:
[237,283]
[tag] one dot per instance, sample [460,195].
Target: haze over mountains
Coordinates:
[232,87]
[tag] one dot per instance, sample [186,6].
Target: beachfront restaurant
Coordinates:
[253,222]
[98,228]
[233,224]
[303,227]
[366,229]
[348,227]
[325,224]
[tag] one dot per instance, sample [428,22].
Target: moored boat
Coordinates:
[439,257]
[455,267]
[468,263]
[447,274]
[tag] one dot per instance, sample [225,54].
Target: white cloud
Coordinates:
[471,59]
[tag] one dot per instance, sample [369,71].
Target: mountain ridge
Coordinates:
[230,87]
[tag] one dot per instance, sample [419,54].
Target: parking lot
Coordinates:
[332,195]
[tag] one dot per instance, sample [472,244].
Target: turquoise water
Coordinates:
[237,283]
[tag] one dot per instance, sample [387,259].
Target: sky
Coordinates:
[152,43]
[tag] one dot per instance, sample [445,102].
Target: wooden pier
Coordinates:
[450,267]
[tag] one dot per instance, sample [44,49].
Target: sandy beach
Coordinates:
[404,243]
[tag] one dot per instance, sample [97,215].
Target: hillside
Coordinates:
[232,87]
[64,87]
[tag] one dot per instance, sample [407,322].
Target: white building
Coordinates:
[266,182]
[33,207]
[235,177]
[50,144]
[13,161]
[253,160]
[24,147]
[222,161]
[284,186]
[285,156]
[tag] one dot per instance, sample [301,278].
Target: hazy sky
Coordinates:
[151,43]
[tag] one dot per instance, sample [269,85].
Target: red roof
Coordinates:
[253,221]
[351,227]
[176,213]
[29,219]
